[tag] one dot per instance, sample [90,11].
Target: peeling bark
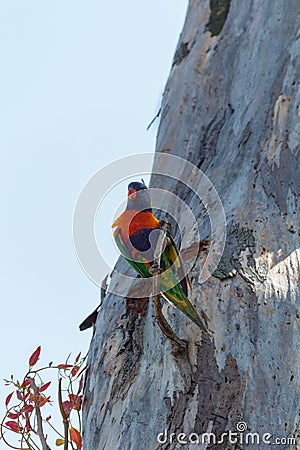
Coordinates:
[231,107]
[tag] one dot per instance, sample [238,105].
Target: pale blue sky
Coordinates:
[80,81]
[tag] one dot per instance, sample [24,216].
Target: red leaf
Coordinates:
[44,386]
[27,408]
[20,396]
[64,366]
[43,400]
[13,415]
[75,370]
[80,385]
[76,437]
[25,383]
[27,427]
[26,395]
[48,418]
[14,426]
[67,407]
[8,399]
[77,357]
[76,401]
[35,356]
[32,398]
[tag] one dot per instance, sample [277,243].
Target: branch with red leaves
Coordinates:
[40,430]
[24,419]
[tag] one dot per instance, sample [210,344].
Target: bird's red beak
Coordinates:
[132,194]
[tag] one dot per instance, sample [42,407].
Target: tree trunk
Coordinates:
[230,107]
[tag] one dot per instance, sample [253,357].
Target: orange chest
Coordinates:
[131,222]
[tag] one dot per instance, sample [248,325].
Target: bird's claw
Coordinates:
[154,269]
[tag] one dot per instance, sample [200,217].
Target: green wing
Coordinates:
[173,290]
[140,265]
[173,256]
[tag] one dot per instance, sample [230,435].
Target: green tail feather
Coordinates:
[180,300]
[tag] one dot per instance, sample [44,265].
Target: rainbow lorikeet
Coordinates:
[132,235]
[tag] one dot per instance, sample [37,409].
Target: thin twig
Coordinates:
[177,343]
[40,430]
[153,120]
[64,417]
[54,429]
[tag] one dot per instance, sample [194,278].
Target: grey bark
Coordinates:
[231,107]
